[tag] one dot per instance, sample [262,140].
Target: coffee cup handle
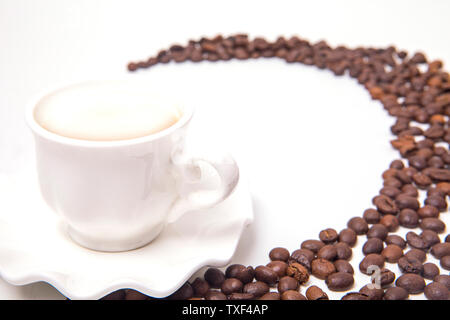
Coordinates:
[202,182]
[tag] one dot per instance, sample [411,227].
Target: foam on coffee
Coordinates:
[105,111]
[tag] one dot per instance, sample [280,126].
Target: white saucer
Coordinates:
[35,247]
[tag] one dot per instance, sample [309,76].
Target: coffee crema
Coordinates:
[105,111]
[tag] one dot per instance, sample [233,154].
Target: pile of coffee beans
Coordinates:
[417,93]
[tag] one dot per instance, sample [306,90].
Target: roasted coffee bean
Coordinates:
[422,180]
[410,265]
[215,277]
[359,225]
[116,295]
[241,296]
[271,296]
[430,271]
[339,281]
[385,204]
[416,241]
[279,267]
[397,164]
[232,285]
[303,256]
[395,239]
[343,251]
[437,291]
[408,218]
[430,237]
[313,245]
[390,222]
[372,292]
[389,191]
[183,293]
[355,296]
[321,268]
[417,162]
[315,293]
[372,216]
[411,282]
[131,294]
[348,236]
[396,293]
[328,252]
[387,277]
[241,272]
[428,211]
[392,182]
[372,259]
[377,231]
[215,295]
[266,274]
[406,202]
[447,238]
[328,236]
[416,254]
[200,287]
[343,266]
[281,254]
[440,250]
[298,271]
[445,262]
[257,288]
[439,174]
[372,245]
[443,279]
[287,283]
[432,224]
[437,202]
[392,253]
[292,295]
[410,190]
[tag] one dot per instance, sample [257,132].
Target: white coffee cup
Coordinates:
[119,195]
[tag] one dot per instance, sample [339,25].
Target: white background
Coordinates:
[312,146]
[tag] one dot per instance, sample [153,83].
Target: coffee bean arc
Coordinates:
[411,89]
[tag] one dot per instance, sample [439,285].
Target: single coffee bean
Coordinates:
[422,180]
[385,204]
[392,182]
[266,274]
[410,190]
[396,293]
[271,296]
[437,291]
[408,218]
[348,236]
[292,295]
[372,245]
[377,231]
[432,224]
[241,296]
[416,254]
[397,164]
[392,253]
[313,245]
[303,256]
[371,259]
[298,272]
[233,269]
[215,295]
[232,285]
[372,216]
[287,283]
[359,225]
[395,239]
[440,250]
[428,211]
[430,271]
[321,268]
[343,251]
[355,296]
[257,288]
[215,277]
[406,202]
[411,282]
[328,236]
[443,279]
[200,287]
[339,281]
[445,262]
[416,241]
[343,266]
[436,201]
[390,222]
[281,254]
[372,292]
[328,252]
[387,277]
[389,191]
[430,237]
[183,293]
[315,293]
[410,265]
[279,267]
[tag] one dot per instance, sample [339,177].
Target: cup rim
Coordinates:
[37,129]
